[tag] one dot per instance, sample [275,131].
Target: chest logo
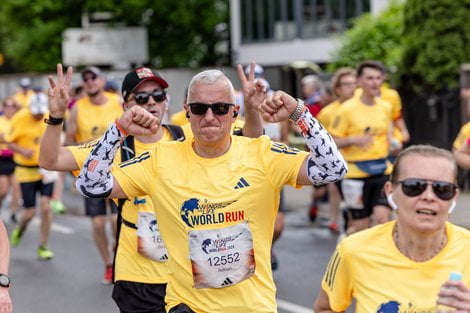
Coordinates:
[196,212]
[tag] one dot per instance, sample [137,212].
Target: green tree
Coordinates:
[436,41]
[372,38]
[181,32]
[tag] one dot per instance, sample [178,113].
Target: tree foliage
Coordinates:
[436,41]
[372,38]
[181,32]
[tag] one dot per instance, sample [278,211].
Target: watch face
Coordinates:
[4,280]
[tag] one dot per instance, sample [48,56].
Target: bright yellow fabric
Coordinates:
[462,136]
[5,125]
[179,118]
[23,99]
[352,119]
[93,120]
[368,266]
[327,115]
[389,95]
[26,132]
[172,174]
[131,265]
[188,132]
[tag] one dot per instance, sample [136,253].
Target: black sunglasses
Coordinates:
[413,187]
[143,97]
[88,77]
[218,108]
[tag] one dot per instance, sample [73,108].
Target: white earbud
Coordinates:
[391,202]
[452,206]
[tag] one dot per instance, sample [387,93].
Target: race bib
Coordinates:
[149,240]
[352,193]
[221,257]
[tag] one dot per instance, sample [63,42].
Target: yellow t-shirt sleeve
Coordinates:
[282,163]
[135,176]
[463,134]
[337,281]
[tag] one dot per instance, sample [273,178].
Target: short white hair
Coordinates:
[209,77]
[312,80]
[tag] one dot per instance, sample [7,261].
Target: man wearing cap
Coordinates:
[141,271]
[89,118]
[25,93]
[27,128]
[215,196]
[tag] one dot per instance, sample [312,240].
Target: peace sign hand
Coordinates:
[58,93]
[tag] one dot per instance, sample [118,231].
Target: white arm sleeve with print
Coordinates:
[325,164]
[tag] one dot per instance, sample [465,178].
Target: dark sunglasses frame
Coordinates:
[142,98]
[218,108]
[413,187]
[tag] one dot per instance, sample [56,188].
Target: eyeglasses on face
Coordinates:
[88,77]
[413,187]
[142,98]
[218,108]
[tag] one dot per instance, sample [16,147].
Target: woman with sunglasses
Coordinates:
[404,265]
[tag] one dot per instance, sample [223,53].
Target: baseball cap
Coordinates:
[38,103]
[133,79]
[259,71]
[25,82]
[92,69]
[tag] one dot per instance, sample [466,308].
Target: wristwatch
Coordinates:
[4,281]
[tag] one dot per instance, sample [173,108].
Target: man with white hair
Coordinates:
[27,128]
[216,196]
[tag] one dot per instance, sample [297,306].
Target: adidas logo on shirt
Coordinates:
[242,183]
[227,282]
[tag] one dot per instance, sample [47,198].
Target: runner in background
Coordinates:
[25,92]
[343,83]
[8,182]
[89,118]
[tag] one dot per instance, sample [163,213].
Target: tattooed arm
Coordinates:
[95,179]
[325,163]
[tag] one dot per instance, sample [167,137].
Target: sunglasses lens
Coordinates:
[198,108]
[159,95]
[444,190]
[413,187]
[141,98]
[220,108]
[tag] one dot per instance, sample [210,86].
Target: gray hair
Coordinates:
[312,80]
[209,77]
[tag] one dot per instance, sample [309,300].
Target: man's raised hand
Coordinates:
[58,93]
[138,122]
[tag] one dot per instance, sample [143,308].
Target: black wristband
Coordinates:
[53,120]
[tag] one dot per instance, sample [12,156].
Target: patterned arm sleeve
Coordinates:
[95,179]
[325,164]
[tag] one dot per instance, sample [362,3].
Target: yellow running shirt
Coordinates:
[216,216]
[93,120]
[327,114]
[22,98]
[26,132]
[130,265]
[368,266]
[354,118]
[462,136]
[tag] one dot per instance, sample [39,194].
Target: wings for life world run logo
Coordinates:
[195,212]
